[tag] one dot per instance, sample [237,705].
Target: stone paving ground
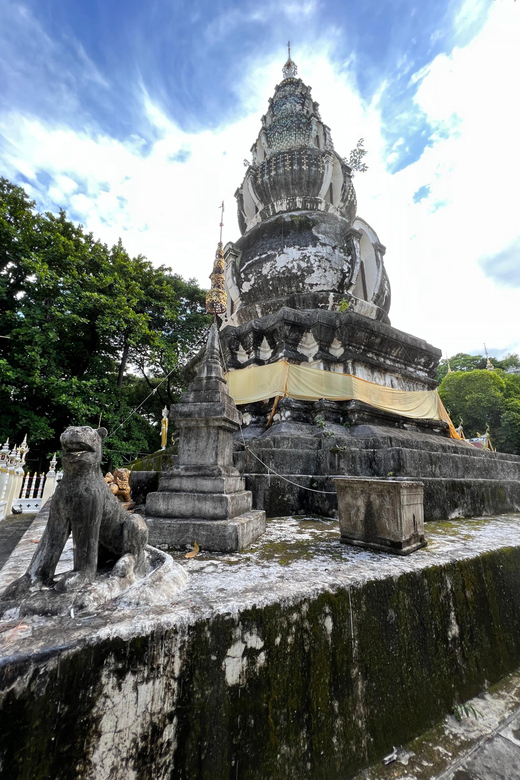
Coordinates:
[12,528]
[480,741]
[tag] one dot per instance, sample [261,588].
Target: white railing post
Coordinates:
[4,454]
[50,480]
[4,476]
[16,481]
[21,492]
[25,485]
[38,491]
[17,477]
[9,495]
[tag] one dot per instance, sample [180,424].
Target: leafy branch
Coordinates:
[355,160]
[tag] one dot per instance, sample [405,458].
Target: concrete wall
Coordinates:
[308,687]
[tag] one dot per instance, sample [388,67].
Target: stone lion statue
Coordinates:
[84,504]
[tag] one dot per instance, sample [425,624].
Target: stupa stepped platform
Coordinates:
[459,480]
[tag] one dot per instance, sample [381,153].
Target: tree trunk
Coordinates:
[122,365]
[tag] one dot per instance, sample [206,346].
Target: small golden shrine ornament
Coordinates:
[216,298]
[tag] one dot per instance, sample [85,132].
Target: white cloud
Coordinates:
[168,210]
[469,15]
[269,11]
[474,172]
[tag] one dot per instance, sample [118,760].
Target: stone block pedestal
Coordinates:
[216,535]
[381,514]
[210,506]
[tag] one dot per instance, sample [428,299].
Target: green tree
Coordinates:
[509,363]
[476,397]
[91,332]
[460,362]
[483,400]
[463,362]
[508,434]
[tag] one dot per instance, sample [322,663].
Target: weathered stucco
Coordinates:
[306,252]
[342,341]
[296,210]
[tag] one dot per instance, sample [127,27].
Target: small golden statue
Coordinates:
[119,484]
[164,428]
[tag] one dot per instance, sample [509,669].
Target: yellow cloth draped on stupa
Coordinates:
[259,383]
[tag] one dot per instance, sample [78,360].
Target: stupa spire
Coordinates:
[216,297]
[290,70]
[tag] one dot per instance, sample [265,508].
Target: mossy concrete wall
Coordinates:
[297,660]
[156,461]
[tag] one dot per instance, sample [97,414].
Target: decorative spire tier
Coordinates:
[216,297]
[289,69]
[301,241]
[294,164]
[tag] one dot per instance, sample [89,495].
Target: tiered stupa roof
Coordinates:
[294,164]
[302,245]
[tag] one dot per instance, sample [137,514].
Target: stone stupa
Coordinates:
[307,288]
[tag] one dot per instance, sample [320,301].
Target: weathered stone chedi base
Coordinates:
[310,442]
[459,480]
[203,497]
[302,658]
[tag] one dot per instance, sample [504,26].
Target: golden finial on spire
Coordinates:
[221,219]
[216,298]
[289,69]
[489,364]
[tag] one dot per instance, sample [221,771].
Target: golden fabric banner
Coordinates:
[259,383]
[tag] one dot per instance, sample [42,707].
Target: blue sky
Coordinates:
[135,117]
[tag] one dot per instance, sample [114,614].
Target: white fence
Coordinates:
[21,492]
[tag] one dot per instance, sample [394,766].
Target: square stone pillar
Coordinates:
[381,514]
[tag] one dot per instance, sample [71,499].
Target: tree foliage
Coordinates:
[356,158]
[482,399]
[91,332]
[463,362]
